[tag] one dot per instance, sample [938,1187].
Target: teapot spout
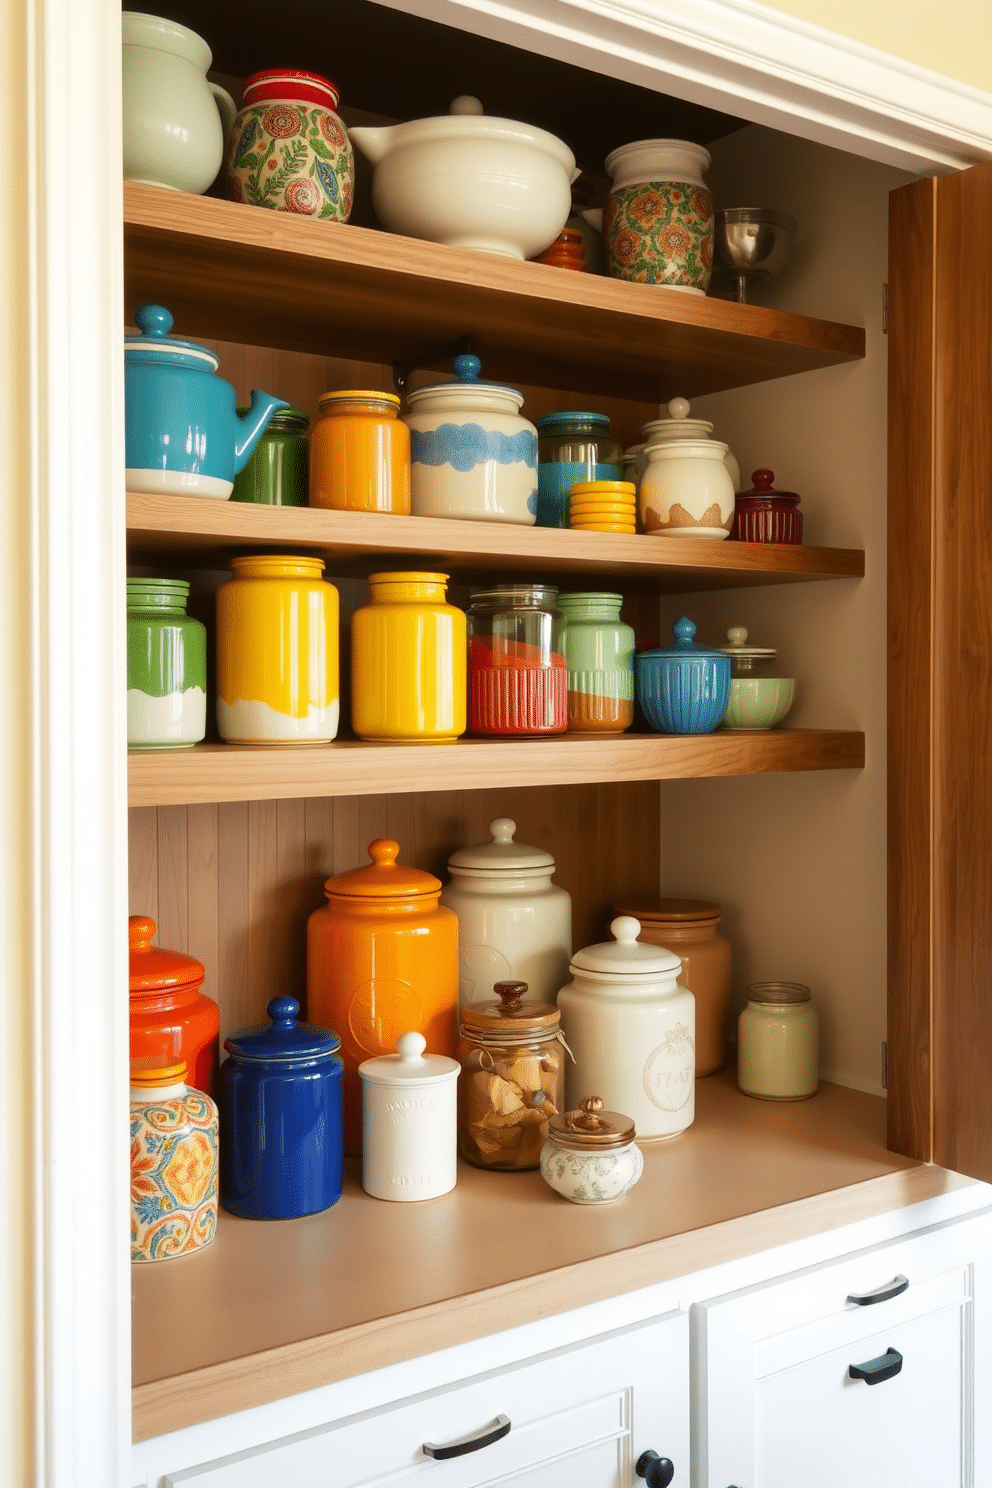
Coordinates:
[373,142]
[252,425]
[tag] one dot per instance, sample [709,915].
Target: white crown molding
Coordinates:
[754,62]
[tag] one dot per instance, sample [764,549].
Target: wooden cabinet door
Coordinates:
[782,1403]
[940,671]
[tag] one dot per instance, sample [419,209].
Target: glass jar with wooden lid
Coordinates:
[512,1078]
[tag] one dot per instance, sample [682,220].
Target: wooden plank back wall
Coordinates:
[233,884]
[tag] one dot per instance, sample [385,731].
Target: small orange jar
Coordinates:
[170,1018]
[382,960]
[360,454]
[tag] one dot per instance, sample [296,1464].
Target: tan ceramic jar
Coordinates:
[687,927]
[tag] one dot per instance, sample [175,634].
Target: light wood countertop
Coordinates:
[271,1309]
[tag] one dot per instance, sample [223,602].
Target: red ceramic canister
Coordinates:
[766,515]
[170,1017]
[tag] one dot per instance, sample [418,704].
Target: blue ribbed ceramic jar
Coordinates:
[281,1118]
[685,688]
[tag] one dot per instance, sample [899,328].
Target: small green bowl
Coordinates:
[758,702]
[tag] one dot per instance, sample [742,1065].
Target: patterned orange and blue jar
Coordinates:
[174,1161]
[288,149]
[277,652]
[658,220]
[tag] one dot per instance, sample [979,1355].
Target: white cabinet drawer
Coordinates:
[578,1416]
[779,1407]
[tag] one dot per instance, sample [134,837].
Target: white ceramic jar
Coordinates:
[470,181]
[471,453]
[778,1042]
[686,490]
[589,1156]
[678,425]
[631,1027]
[514,924]
[175,120]
[409,1122]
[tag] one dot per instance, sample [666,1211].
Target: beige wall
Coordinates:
[798,861]
[954,38]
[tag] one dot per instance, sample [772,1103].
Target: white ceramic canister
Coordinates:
[175,119]
[686,490]
[678,425]
[778,1042]
[472,455]
[409,1122]
[514,924]
[590,1156]
[631,1027]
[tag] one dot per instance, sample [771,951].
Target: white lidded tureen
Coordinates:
[470,180]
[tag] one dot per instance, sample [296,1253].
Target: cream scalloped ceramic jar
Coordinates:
[470,181]
[686,490]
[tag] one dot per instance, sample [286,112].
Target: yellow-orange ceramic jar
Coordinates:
[277,652]
[408,661]
[382,960]
[360,454]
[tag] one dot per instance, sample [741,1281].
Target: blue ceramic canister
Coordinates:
[685,688]
[182,432]
[472,454]
[572,448]
[281,1118]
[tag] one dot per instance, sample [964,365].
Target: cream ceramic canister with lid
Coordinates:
[513,922]
[686,490]
[472,454]
[631,1027]
[678,425]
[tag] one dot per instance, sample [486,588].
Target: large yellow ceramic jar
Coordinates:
[382,960]
[277,652]
[408,661]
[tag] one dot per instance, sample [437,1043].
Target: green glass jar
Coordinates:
[276,474]
[166,667]
[599,654]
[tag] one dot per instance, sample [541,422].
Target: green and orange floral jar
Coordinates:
[288,149]
[658,220]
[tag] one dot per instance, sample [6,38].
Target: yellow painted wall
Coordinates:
[954,38]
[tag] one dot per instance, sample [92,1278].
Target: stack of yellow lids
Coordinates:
[603,506]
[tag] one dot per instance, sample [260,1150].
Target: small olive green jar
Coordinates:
[276,474]
[166,667]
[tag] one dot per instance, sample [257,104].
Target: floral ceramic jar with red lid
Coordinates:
[288,149]
[170,1018]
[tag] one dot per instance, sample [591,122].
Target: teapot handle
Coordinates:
[226,106]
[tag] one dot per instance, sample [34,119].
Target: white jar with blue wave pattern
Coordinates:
[472,455]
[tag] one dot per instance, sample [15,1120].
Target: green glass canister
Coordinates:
[571,448]
[599,654]
[276,474]
[166,667]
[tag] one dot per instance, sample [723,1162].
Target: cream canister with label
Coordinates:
[409,1119]
[631,1027]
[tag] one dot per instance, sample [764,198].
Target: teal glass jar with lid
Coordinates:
[571,447]
[166,667]
[276,474]
[599,655]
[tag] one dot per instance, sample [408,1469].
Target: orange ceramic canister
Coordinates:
[360,454]
[382,960]
[687,928]
[170,1018]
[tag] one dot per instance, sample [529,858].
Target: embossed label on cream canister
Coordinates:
[669,1070]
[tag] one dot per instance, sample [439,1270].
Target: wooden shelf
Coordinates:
[227,271]
[271,1309]
[198,532]
[232,772]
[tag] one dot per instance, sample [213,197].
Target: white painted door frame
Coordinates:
[65,54]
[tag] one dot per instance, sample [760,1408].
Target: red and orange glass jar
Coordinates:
[170,1018]
[517,674]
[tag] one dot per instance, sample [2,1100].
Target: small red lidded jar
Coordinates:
[170,1017]
[766,515]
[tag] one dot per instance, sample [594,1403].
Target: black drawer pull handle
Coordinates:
[657,1471]
[874,1371]
[499,1428]
[880,1294]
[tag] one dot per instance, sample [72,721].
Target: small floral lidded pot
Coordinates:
[590,1156]
[288,149]
[173,1161]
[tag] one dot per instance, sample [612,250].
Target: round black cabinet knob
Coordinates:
[657,1471]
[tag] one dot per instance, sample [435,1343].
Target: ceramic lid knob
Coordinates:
[410,1047]
[283,1011]
[140,932]
[467,367]
[502,829]
[683,630]
[465,104]
[763,479]
[678,408]
[384,852]
[154,320]
[625,929]
[737,635]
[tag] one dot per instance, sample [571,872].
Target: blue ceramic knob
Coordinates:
[684,688]
[467,367]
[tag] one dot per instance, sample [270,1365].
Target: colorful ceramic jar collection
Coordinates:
[277,473]
[169,1017]
[408,661]
[166,667]
[288,150]
[517,674]
[778,1042]
[572,448]
[174,1141]
[360,453]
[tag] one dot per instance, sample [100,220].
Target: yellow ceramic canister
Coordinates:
[277,652]
[408,661]
[382,960]
[360,453]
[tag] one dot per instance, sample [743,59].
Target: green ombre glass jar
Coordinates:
[166,667]
[276,474]
[599,655]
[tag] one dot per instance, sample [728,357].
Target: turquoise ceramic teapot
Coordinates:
[183,434]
